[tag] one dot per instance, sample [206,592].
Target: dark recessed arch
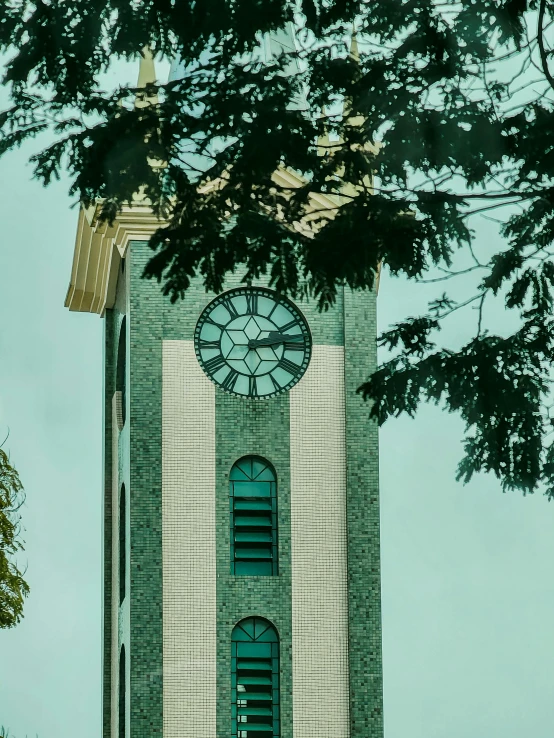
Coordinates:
[122,543]
[121,367]
[122,689]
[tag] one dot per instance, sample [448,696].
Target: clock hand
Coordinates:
[275,337]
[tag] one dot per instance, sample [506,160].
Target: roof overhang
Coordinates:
[99,246]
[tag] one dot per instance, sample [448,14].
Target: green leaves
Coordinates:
[412,336]
[503,266]
[496,385]
[453,139]
[13,588]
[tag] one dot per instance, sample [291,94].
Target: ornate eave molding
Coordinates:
[99,247]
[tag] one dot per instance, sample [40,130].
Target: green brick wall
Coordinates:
[110,325]
[146,306]
[242,427]
[262,429]
[364,578]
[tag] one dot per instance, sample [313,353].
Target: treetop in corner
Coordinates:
[457,95]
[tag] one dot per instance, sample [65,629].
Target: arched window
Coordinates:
[122,688]
[122,543]
[121,367]
[253,508]
[255,680]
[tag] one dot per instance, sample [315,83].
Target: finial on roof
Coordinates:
[147,75]
[353,120]
[325,146]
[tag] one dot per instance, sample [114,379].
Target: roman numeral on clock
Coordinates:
[252,386]
[289,366]
[252,304]
[288,326]
[211,321]
[294,345]
[230,380]
[215,364]
[232,309]
[203,344]
[275,383]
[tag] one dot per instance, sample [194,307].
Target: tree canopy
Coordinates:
[457,98]
[13,588]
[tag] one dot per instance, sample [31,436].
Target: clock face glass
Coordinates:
[253,342]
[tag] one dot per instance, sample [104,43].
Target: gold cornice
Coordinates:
[99,247]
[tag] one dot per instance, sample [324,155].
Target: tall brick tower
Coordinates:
[241,501]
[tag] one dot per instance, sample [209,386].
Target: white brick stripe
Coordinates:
[319,549]
[189,564]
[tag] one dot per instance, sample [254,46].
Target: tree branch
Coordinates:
[542,48]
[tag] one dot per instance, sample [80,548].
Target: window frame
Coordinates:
[248,473]
[255,643]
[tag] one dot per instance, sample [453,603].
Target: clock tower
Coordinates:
[241,501]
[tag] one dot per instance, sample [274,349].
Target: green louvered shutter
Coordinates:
[253,513]
[255,680]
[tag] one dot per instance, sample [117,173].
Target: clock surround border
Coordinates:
[282,298]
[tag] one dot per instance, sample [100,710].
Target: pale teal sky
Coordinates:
[468,594]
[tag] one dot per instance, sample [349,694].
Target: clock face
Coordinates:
[253,342]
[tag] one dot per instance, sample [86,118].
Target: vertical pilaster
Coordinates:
[109,387]
[260,428]
[364,581]
[116,640]
[145,652]
[189,546]
[319,548]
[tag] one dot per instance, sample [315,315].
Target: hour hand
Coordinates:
[275,337]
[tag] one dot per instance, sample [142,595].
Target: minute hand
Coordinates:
[274,338]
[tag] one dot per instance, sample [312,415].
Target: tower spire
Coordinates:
[147,76]
[284,41]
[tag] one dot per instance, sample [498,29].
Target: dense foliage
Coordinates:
[458,95]
[13,588]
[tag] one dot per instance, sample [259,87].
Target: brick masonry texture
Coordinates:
[116,469]
[364,575]
[109,388]
[242,427]
[117,636]
[245,427]
[144,394]
[319,548]
[189,545]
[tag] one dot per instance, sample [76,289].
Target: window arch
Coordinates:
[253,512]
[121,367]
[122,543]
[122,689]
[255,680]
